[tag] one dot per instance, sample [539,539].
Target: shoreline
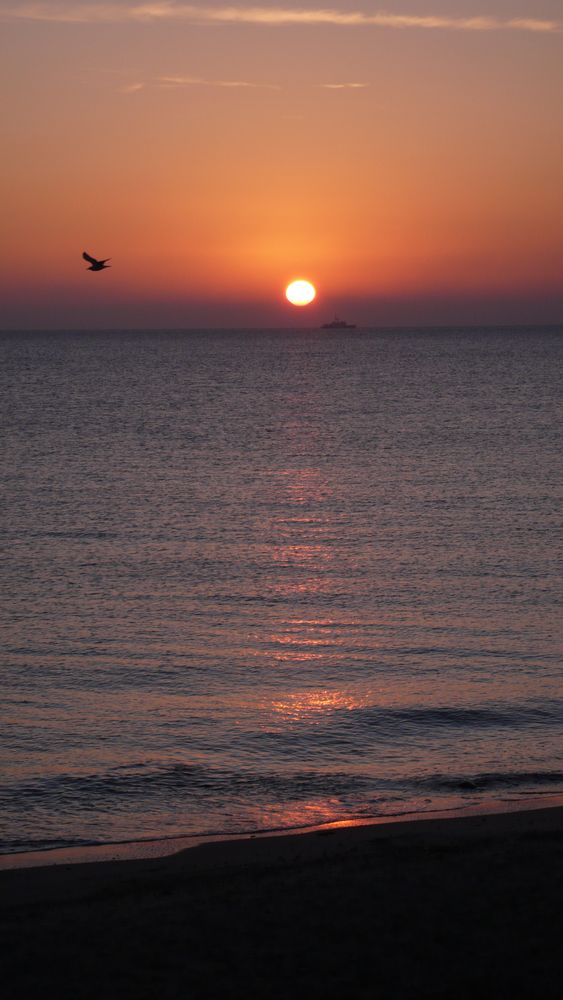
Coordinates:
[430,907]
[456,906]
[167,846]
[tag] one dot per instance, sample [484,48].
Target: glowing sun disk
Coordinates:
[300,293]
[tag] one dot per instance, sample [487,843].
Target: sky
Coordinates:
[406,157]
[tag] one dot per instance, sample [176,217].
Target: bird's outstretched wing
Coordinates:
[87,257]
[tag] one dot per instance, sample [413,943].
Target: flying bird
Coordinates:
[96,265]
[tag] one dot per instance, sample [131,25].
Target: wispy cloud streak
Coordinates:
[343,86]
[197,81]
[181,81]
[70,11]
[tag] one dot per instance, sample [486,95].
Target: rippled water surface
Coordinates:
[261,579]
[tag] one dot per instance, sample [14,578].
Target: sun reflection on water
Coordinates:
[304,640]
[306,705]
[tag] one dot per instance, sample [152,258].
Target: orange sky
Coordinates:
[409,164]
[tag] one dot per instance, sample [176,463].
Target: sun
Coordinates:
[300,293]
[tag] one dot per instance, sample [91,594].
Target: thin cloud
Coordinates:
[197,81]
[179,81]
[69,11]
[343,86]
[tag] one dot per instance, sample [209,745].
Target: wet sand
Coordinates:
[434,908]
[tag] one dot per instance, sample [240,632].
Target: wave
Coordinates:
[484,716]
[495,780]
[302,734]
[152,780]
[177,790]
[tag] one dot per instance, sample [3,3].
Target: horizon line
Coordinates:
[284,329]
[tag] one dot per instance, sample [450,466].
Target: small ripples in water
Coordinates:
[260,580]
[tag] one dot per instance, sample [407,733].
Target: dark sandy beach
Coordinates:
[452,908]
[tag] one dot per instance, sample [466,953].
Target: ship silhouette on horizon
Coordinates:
[338,324]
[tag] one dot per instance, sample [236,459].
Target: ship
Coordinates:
[338,324]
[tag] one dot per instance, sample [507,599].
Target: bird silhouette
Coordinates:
[96,265]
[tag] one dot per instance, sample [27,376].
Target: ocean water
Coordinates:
[263,579]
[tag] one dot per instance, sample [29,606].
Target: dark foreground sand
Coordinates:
[453,908]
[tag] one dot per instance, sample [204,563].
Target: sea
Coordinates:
[265,579]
